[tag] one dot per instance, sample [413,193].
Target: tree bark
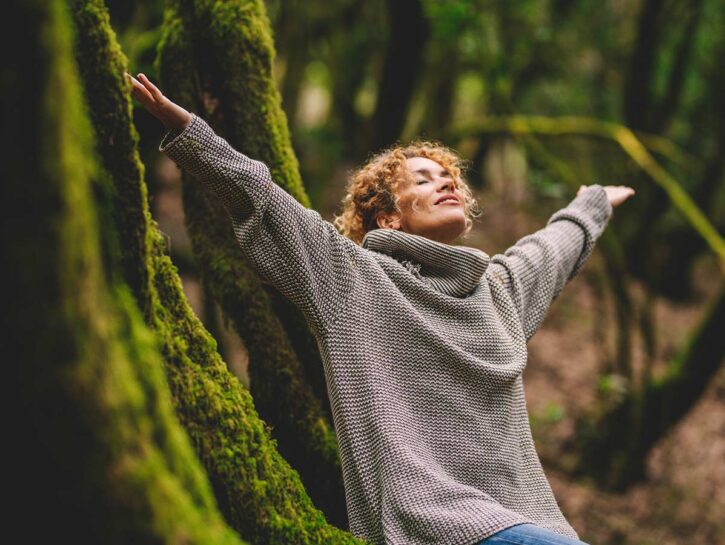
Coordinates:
[98,453]
[352,47]
[216,60]
[257,491]
[401,68]
[446,66]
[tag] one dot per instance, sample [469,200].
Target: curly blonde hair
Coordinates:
[373,189]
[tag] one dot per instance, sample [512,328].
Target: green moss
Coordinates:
[281,395]
[235,446]
[102,73]
[199,39]
[227,41]
[97,439]
[233,442]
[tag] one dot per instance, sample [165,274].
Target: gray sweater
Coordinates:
[423,345]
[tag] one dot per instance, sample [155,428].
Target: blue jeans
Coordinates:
[528,534]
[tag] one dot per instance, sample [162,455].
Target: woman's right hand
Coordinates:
[169,113]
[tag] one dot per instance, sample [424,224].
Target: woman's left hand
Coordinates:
[616,194]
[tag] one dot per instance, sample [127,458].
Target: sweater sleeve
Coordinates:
[290,246]
[538,266]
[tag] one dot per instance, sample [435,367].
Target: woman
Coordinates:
[423,342]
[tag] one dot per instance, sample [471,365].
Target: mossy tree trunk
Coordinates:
[98,452]
[257,491]
[216,59]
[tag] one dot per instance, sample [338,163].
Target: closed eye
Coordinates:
[421,182]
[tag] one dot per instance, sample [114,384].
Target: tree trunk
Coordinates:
[645,110]
[684,245]
[401,68]
[614,443]
[216,60]
[351,51]
[99,454]
[441,88]
[257,491]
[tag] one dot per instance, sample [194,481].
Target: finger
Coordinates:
[158,95]
[140,93]
[134,81]
[135,84]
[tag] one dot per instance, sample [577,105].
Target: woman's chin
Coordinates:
[449,230]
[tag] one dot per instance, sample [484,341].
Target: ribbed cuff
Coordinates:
[593,201]
[175,138]
[590,210]
[591,207]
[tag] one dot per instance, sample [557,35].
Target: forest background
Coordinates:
[141,423]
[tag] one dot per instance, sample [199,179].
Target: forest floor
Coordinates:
[683,497]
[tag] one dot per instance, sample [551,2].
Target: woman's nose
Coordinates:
[446,184]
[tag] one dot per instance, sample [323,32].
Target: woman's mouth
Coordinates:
[448,199]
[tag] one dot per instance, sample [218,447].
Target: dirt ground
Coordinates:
[683,498]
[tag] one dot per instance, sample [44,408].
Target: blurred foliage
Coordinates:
[484,57]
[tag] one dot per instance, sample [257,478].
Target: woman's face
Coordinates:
[431,205]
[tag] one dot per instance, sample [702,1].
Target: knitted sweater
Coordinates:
[423,346]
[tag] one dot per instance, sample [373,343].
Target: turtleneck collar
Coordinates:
[453,270]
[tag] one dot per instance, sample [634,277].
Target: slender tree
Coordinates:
[352,48]
[647,108]
[402,66]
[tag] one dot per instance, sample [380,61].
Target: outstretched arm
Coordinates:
[301,254]
[538,266]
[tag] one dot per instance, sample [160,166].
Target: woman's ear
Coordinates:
[391,221]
